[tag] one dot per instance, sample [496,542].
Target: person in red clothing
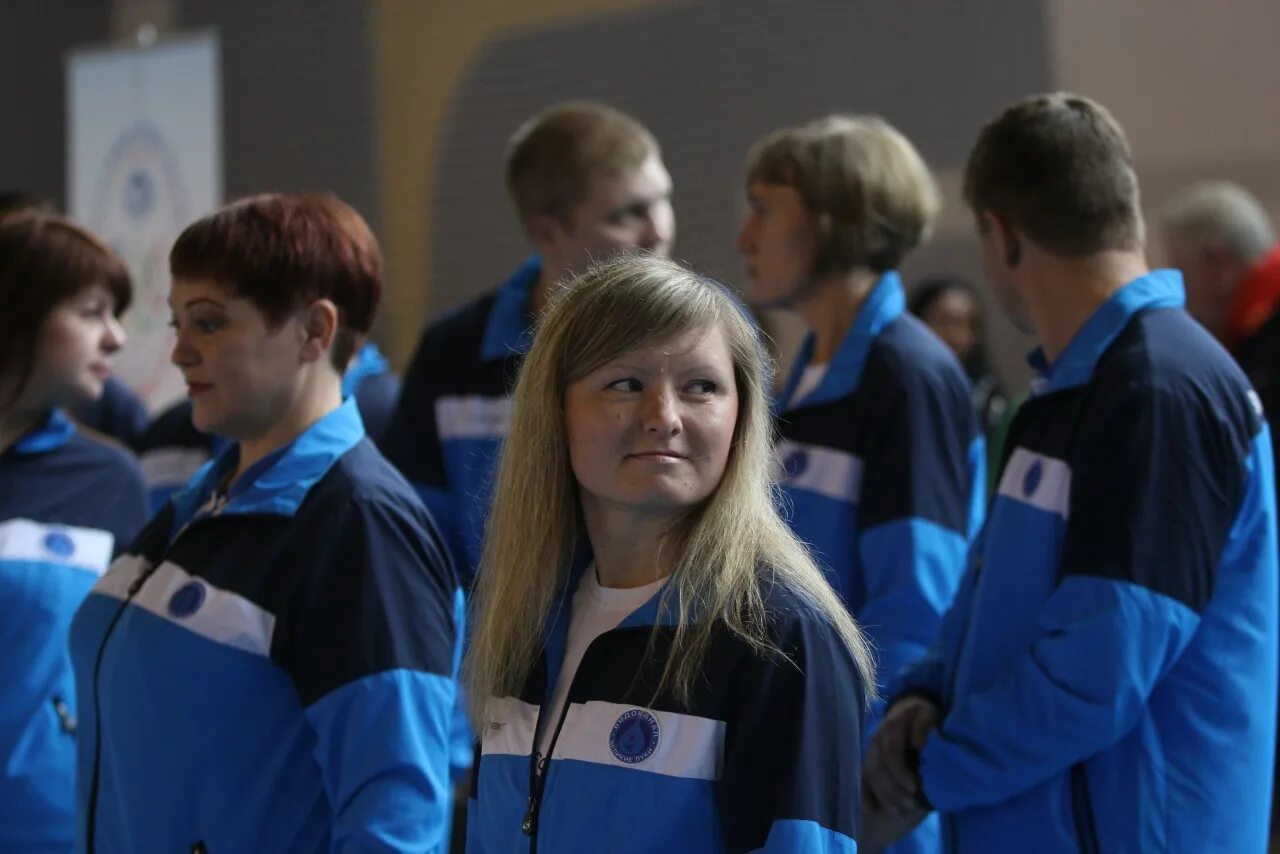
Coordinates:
[1224,243]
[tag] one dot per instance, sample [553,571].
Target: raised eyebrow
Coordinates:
[623,366]
[197,301]
[699,367]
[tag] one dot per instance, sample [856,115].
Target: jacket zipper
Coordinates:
[539,764]
[91,816]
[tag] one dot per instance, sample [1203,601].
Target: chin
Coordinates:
[205,421]
[663,502]
[87,391]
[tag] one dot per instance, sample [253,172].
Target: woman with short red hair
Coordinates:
[271,665]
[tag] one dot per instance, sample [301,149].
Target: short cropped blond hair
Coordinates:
[874,198]
[554,157]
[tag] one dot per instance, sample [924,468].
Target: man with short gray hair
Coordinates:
[1223,241]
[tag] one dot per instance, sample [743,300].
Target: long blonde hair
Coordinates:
[729,541]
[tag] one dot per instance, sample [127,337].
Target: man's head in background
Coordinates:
[588,181]
[1216,233]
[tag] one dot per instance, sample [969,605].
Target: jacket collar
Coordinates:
[509,328]
[883,305]
[1075,364]
[53,432]
[277,484]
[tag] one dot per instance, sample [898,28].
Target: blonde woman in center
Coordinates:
[657,664]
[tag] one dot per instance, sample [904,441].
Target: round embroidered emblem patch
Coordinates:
[634,736]
[187,600]
[1031,482]
[60,544]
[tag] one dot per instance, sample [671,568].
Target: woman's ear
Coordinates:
[320,327]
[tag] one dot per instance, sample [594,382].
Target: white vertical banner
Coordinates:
[144,150]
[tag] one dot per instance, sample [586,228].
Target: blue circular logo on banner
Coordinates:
[634,736]
[795,464]
[1031,482]
[139,194]
[60,544]
[187,600]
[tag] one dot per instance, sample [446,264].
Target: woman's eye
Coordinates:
[628,384]
[704,387]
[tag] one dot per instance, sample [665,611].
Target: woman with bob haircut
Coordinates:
[883,459]
[67,503]
[657,663]
[270,666]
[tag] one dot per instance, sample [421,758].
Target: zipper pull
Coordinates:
[526,826]
[540,763]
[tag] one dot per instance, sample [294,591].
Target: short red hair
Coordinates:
[284,251]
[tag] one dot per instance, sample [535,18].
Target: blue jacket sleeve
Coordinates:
[922,500]
[927,674]
[792,767]
[375,654]
[1145,533]
[1103,645]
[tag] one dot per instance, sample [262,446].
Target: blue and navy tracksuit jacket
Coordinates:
[1108,672]
[455,407]
[172,449]
[272,668]
[884,472]
[766,757]
[453,414]
[67,504]
[883,469]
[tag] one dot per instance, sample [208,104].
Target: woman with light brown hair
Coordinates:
[882,457]
[657,662]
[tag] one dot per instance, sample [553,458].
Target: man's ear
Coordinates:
[319,327]
[545,231]
[1008,241]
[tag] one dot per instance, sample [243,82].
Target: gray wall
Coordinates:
[297,96]
[711,77]
[34,36]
